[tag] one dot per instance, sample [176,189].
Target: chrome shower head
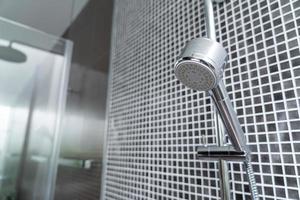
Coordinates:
[201,64]
[200,67]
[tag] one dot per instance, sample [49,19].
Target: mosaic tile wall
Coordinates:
[155,123]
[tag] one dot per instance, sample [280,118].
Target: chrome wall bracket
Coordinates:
[227,153]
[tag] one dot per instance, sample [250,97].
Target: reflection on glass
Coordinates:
[33,77]
[8,53]
[4,119]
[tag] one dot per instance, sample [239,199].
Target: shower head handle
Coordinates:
[229,117]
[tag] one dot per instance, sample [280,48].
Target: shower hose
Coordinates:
[251,179]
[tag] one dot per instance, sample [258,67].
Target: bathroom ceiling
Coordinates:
[71,19]
[50,16]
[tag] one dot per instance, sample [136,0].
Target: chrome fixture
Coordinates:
[200,67]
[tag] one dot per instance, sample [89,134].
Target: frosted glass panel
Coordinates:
[34,70]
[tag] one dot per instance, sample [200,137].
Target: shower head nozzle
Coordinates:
[201,64]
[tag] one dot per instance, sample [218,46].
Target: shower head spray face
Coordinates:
[196,75]
[201,64]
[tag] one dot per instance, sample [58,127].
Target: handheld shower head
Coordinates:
[200,67]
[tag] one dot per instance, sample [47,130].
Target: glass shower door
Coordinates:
[34,69]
